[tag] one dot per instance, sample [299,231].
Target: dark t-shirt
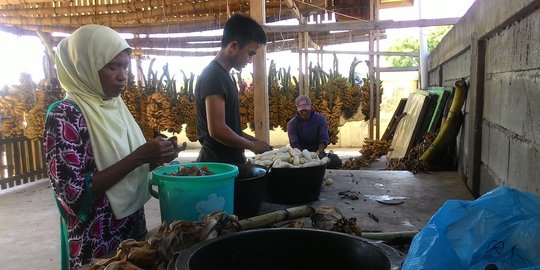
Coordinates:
[216,80]
[308,134]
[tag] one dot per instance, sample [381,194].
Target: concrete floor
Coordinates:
[29,221]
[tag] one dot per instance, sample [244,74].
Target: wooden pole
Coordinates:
[260,83]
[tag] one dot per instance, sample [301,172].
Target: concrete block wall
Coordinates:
[504,77]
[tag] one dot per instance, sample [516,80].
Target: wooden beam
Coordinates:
[332,40]
[138,8]
[360,25]
[295,10]
[25,2]
[116,19]
[153,25]
[177,53]
[396,69]
[412,54]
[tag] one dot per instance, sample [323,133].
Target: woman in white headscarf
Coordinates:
[98,159]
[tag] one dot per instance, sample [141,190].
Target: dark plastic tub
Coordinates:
[287,248]
[294,185]
[249,188]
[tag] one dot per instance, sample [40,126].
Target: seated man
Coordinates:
[308,129]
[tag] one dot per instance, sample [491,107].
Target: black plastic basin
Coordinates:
[294,185]
[249,188]
[287,248]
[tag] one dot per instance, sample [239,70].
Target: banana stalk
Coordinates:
[447,129]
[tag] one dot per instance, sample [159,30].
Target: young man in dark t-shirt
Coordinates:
[216,95]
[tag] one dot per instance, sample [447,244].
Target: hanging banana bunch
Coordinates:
[273,96]
[132,98]
[144,124]
[245,98]
[157,114]
[351,95]
[35,119]
[317,78]
[332,90]
[287,107]
[169,88]
[135,99]
[158,111]
[366,99]
[46,94]
[177,117]
[187,113]
[191,122]
[14,105]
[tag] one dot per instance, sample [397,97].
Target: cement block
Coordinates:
[498,153]
[524,166]
[433,77]
[458,67]
[516,48]
[514,103]
[488,180]
[526,43]
[500,53]
[492,98]
[531,84]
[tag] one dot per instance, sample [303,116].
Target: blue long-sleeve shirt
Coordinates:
[308,134]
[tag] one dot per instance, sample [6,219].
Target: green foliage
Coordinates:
[411,44]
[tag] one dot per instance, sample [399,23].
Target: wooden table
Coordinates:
[418,196]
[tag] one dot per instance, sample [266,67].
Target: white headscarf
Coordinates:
[113,131]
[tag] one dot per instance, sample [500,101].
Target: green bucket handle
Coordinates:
[151,183]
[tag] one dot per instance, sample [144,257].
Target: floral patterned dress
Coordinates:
[88,226]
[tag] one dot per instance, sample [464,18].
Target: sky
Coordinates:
[25,54]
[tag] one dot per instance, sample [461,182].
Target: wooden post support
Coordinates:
[260,83]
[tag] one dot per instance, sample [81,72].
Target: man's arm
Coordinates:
[324,137]
[219,131]
[217,127]
[292,132]
[249,137]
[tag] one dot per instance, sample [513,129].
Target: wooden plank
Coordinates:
[392,125]
[423,122]
[442,95]
[408,126]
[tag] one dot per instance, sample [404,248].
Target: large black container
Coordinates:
[288,248]
[249,187]
[294,185]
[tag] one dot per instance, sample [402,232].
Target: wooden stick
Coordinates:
[276,216]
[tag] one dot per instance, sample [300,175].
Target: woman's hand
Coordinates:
[157,151]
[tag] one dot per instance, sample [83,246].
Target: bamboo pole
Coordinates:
[276,216]
[404,237]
